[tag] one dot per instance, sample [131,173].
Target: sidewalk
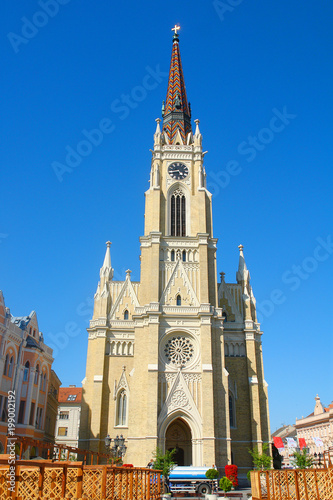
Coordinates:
[241,494]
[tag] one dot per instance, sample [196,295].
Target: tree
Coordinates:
[225,484]
[164,462]
[260,459]
[302,460]
[212,474]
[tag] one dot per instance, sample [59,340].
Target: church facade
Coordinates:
[175,360]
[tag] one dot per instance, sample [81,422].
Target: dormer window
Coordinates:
[126,314]
[179,300]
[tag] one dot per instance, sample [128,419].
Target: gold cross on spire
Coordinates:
[175,29]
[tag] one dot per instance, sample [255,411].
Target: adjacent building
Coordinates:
[317,428]
[69,415]
[52,408]
[26,372]
[287,452]
[175,360]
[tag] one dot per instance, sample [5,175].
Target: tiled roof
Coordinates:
[32,344]
[177,113]
[20,321]
[74,393]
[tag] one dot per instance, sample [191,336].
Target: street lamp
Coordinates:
[118,449]
[319,458]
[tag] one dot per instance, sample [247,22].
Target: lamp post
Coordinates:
[118,449]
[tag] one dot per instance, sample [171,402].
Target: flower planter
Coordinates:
[211,496]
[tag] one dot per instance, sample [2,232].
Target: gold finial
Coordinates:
[175,29]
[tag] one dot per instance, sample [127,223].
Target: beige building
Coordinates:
[69,414]
[287,452]
[319,424]
[175,360]
[52,407]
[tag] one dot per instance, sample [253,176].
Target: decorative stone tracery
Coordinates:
[179,350]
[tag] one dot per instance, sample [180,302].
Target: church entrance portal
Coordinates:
[178,435]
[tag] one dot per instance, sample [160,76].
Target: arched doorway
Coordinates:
[178,435]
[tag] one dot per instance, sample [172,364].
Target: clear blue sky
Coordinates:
[242,68]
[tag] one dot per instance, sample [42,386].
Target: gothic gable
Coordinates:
[122,384]
[179,399]
[127,300]
[227,302]
[180,285]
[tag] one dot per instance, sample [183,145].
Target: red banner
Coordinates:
[302,443]
[278,442]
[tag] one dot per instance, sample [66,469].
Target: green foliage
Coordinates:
[212,474]
[261,460]
[164,462]
[225,484]
[248,475]
[302,460]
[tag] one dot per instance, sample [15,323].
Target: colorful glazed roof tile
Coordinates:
[177,111]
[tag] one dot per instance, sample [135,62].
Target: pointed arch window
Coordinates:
[126,314]
[179,300]
[122,408]
[178,213]
[11,366]
[36,375]
[26,372]
[172,255]
[184,256]
[42,381]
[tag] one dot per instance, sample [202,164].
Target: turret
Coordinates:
[243,278]
[102,295]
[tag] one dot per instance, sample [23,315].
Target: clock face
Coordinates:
[178,170]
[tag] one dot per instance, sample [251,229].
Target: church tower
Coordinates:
[175,360]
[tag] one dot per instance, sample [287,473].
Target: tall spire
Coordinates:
[243,274]
[176,110]
[106,270]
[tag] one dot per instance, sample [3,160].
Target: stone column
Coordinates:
[29,396]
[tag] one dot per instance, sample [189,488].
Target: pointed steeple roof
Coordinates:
[242,273]
[106,269]
[176,111]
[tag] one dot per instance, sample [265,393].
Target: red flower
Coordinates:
[231,473]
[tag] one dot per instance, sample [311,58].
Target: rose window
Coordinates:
[179,350]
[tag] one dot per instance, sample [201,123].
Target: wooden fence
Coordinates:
[46,479]
[56,451]
[296,484]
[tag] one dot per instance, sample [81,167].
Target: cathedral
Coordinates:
[175,360]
